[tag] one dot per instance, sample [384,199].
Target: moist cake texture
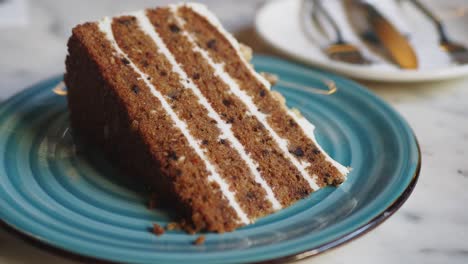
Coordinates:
[169,97]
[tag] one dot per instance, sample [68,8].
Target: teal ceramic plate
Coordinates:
[65,195]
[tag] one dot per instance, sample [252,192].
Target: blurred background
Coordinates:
[33,34]
[432,227]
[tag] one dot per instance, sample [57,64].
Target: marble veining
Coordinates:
[432,227]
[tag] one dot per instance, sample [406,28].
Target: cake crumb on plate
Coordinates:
[158,230]
[200,240]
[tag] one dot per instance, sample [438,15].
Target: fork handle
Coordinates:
[438,23]
[319,7]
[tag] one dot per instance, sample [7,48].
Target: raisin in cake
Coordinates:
[170,98]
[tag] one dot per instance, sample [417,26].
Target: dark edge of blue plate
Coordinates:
[351,236]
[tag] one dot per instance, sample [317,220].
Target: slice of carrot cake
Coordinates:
[169,96]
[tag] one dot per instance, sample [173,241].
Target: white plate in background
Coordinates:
[278,22]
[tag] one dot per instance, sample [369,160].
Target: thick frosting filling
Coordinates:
[253,111]
[105,26]
[225,128]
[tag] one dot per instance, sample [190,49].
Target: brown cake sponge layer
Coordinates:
[209,38]
[285,179]
[142,50]
[112,108]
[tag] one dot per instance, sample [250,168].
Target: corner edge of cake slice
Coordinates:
[173,101]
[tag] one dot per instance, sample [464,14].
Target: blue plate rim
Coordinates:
[359,231]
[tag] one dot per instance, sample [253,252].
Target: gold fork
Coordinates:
[340,49]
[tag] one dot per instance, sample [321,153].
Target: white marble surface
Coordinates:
[432,227]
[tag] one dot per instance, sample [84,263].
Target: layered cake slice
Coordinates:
[169,96]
